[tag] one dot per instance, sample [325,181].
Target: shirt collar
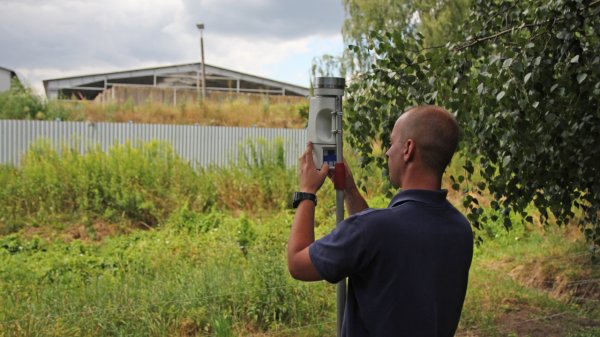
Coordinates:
[424,196]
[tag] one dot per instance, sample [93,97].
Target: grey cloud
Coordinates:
[69,34]
[271,18]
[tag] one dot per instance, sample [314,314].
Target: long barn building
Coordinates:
[184,76]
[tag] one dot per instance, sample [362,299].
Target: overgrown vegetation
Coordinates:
[22,103]
[136,241]
[142,183]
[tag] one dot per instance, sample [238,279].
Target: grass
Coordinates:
[207,275]
[22,103]
[229,113]
[184,272]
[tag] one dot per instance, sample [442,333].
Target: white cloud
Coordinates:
[252,56]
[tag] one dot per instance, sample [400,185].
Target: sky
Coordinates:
[44,39]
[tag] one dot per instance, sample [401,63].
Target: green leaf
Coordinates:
[455,187]
[506,161]
[553,87]
[481,185]
[507,63]
[535,104]
[500,95]
[575,59]
[527,77]
[461,179]
[550,117]
[494,58]
[581,77]
[480,88]
[517,66]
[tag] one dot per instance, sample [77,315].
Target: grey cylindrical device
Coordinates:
[329,83]
[325,132]
[322,122]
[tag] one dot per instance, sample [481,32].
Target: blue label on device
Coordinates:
[329,157]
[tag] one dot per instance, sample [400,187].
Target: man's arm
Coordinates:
[302,234]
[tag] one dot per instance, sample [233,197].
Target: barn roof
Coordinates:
[176,76]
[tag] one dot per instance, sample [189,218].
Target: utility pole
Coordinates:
[340,186]
[201,28]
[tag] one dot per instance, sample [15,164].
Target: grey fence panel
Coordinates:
[201,145]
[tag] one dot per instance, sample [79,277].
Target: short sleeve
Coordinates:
[340,253]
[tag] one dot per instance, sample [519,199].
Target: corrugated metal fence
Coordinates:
[199,144]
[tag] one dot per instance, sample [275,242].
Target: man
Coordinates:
[407,264]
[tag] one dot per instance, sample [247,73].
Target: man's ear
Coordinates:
[409,150]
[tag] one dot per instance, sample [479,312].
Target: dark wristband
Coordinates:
[299,196]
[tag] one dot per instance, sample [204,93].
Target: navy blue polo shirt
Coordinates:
[407,266]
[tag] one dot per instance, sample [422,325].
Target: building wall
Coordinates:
[4,80]
[171,96]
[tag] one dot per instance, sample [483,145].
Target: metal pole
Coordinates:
[339,206]
[203,72]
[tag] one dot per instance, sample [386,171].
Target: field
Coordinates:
[135,241]
[22,103]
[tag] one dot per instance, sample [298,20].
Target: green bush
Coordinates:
[20,102]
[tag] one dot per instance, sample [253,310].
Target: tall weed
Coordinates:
[145,183]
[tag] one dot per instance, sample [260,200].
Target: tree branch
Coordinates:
[513,28]
[496,35]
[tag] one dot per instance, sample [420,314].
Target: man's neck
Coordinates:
[413,179]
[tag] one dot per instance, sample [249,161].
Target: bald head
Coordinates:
[435,132]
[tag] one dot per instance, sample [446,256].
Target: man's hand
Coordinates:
[311,180]
[354,201]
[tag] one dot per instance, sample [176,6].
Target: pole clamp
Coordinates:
[339,182]
[337,113]
[336,131]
